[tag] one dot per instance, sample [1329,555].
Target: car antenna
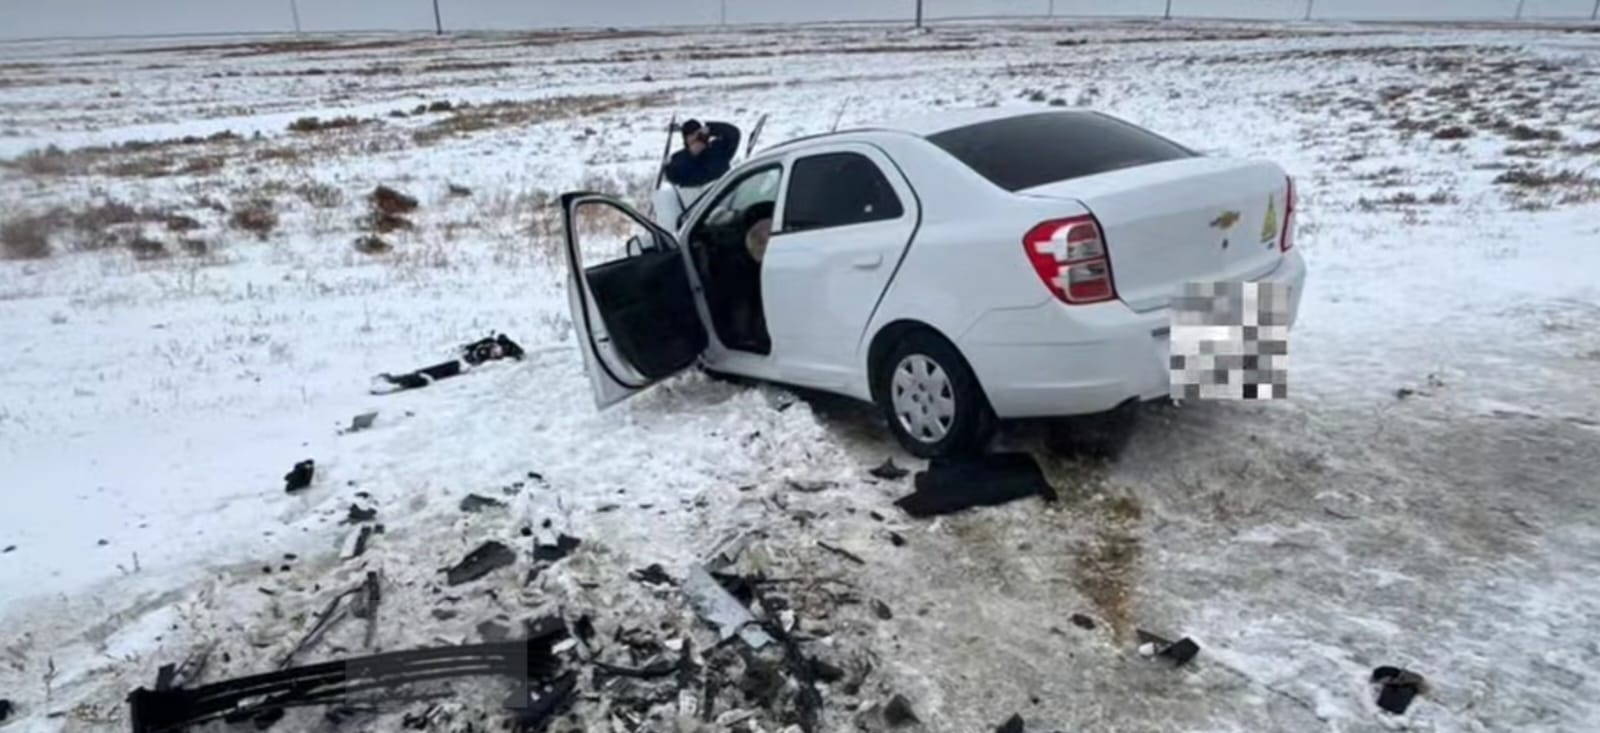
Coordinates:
[840,116]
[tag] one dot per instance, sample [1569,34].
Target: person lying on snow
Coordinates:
[478,352]
[707,154]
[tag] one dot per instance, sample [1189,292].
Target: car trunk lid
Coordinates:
[1194,219]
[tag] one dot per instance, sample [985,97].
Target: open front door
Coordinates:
[633,307]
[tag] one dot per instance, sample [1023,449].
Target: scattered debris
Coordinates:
[474,354]
[898,712]
[357,515]
[361,422]
[811,487]
[896,539]
[841,552]
[951,485]
[489,556]
[1403,393]
[474,503]
[6,708]
[1013,725]
[653,575]
[390,201]
[563,547]
[494,631]
[355,543]
[721,610]
[1083,622]
[1396,688]
[9,548]
[889,472]
[461,191]
[300,476]
[533,661]
[372,244]
[881,610]
[1177,653]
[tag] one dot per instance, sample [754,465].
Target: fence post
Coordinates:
[438,25]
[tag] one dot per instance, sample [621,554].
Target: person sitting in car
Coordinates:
[707,154]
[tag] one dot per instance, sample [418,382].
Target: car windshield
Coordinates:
[1017,153]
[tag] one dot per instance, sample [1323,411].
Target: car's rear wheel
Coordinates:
[931,398]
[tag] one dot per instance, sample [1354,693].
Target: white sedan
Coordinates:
[957,269]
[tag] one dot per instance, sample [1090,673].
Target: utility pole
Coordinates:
[438,25]
[1310,4]
[1052,12]
[1595,14]
[919,13]
[1520,3]
[724,12]
[1168,14]
[294,10]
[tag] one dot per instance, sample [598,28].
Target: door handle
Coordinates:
[868,262]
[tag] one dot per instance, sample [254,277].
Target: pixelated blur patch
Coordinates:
[1230,341]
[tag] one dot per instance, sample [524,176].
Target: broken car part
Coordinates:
[953,484]
[489,556]
[329,683]
[300,476]
[1396,688]
[723,611]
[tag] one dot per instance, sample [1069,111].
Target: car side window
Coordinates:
[838,189]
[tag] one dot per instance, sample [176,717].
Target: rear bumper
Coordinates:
[1056,360]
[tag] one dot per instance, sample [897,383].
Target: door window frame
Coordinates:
[861,150]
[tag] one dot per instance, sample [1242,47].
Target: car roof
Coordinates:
[923,125]
[949,119]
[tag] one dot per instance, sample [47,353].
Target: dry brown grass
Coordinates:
[25,238]
[103,224]
[137,158]
[464,120]
[314,124]
[256,215]
[320,195]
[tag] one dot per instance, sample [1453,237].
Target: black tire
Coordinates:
[972,424]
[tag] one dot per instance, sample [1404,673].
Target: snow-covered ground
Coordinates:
[150,405]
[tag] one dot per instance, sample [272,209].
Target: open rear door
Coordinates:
[633,306]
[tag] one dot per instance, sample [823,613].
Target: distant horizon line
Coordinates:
[756,24]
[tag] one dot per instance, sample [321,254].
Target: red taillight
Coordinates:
[1070,257]
[1287,240]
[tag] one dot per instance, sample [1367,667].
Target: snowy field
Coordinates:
[185,316]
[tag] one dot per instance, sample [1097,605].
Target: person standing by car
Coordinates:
[707,153]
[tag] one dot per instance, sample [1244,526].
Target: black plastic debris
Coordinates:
[563,547]
[825,672]
[1013,725]
[898,712]
[888,471]
[1179,653]
[810,487]
[267,718]
[896,539]
[474,503]
[6,709]
[652,575]
[493,631]
[1083,622]
[357,515]
[300,476]
[953,484]
[881,610]
[489,557]
[841,552]
[361,422]
[9,548]
[1396,688]
[356,544]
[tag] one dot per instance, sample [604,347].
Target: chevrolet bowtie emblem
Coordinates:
[1225,220]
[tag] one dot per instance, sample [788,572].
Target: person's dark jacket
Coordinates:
[693,171]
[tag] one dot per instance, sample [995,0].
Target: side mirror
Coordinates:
[636,246]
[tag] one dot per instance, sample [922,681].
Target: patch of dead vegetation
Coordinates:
[320,195]
[102,224]
[257,215]
[465,120]
[268,48]
[137,158]
[1406,199]
[314,124]
[1534,189]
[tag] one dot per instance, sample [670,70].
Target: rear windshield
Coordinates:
[1016,153]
